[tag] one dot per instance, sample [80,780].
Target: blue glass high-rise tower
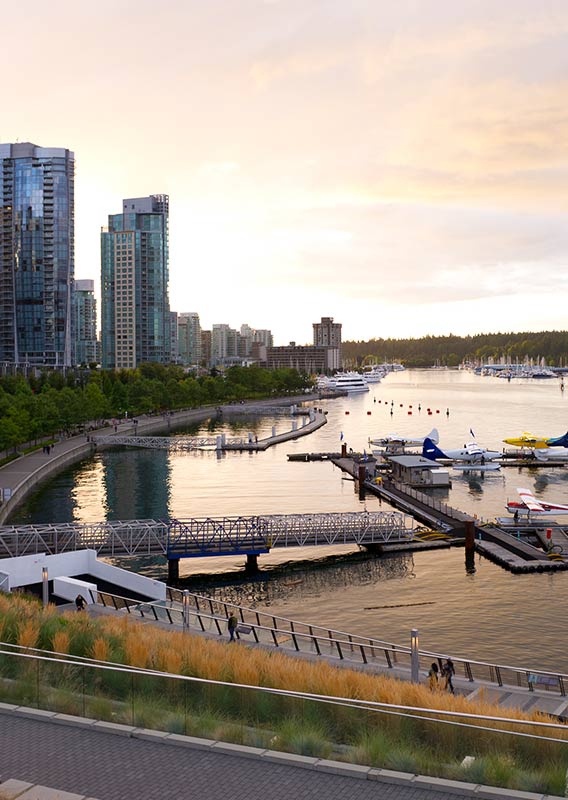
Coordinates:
[134,284]
[36,254]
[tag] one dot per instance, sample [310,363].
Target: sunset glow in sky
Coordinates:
[400,166]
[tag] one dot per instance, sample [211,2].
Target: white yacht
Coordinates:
[373,374]
[351,382]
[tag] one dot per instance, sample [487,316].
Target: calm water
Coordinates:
[489,614]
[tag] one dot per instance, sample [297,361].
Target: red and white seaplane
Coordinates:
[528,504]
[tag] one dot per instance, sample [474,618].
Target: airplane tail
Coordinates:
[560,441]
[434,436]
[431,451]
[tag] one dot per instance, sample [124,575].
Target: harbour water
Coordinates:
[487,614]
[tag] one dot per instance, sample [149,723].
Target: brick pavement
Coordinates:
[113,767]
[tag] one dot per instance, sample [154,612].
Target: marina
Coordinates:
[334,590]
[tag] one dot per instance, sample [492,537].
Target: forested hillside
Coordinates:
[452,350]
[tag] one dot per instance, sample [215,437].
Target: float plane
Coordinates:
[473,456]
[528,504]
[396,442]
[537,442]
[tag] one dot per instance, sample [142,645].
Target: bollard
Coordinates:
[294,425]
[344,450]
[219,443]
[273,431]
[249,437]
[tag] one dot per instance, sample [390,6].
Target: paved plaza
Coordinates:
[113,767]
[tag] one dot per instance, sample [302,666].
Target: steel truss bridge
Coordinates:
[207,536]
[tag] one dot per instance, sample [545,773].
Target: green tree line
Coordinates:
[36,407]
[451,350]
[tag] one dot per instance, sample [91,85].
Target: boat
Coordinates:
[373,374]
[351,382]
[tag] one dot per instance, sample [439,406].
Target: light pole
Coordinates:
[44,586]
[414,657]
[185,609]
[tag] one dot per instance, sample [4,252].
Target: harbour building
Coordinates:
[85,305]
[136,320]
[36,255]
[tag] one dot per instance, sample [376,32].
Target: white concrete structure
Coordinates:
[27,570]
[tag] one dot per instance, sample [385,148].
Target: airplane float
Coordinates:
[396,442]
[473,456]
[528,504]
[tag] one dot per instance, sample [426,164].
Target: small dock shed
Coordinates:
[418,471]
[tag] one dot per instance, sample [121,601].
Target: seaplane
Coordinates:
[528,504]
[473,456]
[537,442]
[396,442]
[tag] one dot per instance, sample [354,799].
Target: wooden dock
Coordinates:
[505,547]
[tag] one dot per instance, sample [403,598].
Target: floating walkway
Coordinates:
[312,420]
[504,546]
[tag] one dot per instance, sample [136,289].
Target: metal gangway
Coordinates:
[208,536]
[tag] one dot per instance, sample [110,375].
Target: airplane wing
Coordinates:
[530,500]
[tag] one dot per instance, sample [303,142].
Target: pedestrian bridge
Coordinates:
[207,536]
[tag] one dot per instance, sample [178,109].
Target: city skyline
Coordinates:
[400,168]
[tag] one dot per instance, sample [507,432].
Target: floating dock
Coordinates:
[501,542]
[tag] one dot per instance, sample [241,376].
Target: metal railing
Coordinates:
[202,614]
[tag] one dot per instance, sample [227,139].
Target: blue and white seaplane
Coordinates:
[471,456]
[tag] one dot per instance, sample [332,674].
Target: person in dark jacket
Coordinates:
[232,625]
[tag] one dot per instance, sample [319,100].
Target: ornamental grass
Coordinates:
[244,715]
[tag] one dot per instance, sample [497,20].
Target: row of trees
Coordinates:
[451,350]
[36,407]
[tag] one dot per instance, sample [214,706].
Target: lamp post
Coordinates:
[414,657]
[185,609]
[44,586]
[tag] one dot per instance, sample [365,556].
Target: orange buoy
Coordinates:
[368,413]
[347,412]
[410,412]
[401,405]
[437,411]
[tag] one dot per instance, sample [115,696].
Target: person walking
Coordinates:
[448,671]
[232,625]
[433,677]
[80,602]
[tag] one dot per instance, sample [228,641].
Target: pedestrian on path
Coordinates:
[232,625]
[448,671]
[433,677]
[80,602]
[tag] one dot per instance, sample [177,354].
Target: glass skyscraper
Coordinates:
[85,306]
[136,322]
[36,254]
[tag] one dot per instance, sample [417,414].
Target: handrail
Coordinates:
[371,705]
[341,645]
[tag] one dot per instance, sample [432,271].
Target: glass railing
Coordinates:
[522,755]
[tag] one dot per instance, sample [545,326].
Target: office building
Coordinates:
[136,321]
[36,255]
[85,322]
[327,334]
[189,338]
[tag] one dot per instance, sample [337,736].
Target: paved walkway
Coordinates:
[111,767]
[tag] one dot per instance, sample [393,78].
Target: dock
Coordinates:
[498,541]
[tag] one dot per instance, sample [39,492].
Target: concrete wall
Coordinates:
[25,570]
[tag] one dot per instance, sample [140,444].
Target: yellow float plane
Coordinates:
[537,442]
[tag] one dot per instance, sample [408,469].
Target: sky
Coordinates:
[399,166]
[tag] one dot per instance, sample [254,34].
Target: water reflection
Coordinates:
[305,580]
[136,487]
